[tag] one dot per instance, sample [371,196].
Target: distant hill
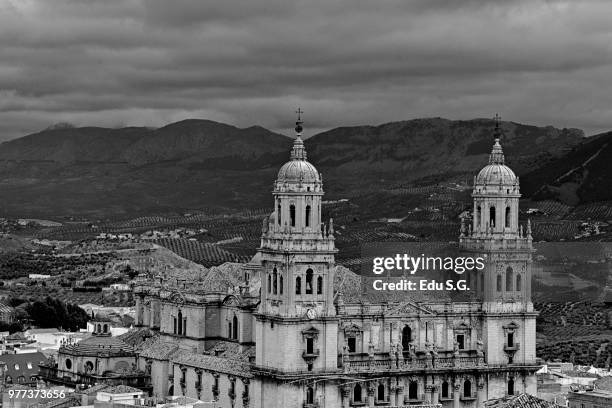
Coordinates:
[198,164]
[584,174]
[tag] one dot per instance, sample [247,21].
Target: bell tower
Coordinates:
[296,311]
[504,285]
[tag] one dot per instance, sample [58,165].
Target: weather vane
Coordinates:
[299,112]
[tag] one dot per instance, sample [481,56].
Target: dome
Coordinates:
[298,171]
[496,174]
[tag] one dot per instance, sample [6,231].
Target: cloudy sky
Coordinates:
[345,62]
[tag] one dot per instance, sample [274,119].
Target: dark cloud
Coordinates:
[150,62]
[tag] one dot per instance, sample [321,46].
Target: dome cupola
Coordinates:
[298,171]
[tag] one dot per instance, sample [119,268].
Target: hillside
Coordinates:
[581,175]
[200,164]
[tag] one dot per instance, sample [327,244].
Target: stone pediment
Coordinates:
[408,308]
[352,328]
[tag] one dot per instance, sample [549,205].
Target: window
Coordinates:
[184,326]
[68,363]
[511,386]
[309,345]
[467,389]
[381,392]
[509,279]
[492,217]
[269,283]
[16,366]
[292,214]
[478,215]
[357,393]
[507,217]
[413,390]
[235,328]
[510,339]
[461,341]
[174,325]
[281,284]
[275,282]
[309,274]
[445,390]
[89,367]
[406,337]
[308,216]
[319,285]
[106,328]
[518,282]
[21,379]
[298,285]
[352,344]
[499,283]
[309,395]
[180,322]
[29,365]
[278,212]
[9,379]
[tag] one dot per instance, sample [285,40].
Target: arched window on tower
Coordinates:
[275,282]
[507,217]
[357,393]
[499,283]
[292,214]
[406,337]
[467,389]
[511,386]
[478,217]
[381,392]
[269,283]
[308,216]
[180,322]
[445,390]
[281,284]
[298,285]
[278,212]
[235,328]
[309,395]
[309,274]
[320,285]
[492,217]
[519,283]
[509,279]
[413,390]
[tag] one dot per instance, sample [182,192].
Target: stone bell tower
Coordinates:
[296,313]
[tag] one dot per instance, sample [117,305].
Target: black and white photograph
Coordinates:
[305,204]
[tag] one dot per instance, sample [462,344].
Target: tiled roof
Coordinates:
[230,349]
[25,364]
[4,308]
[97,345]
[520,401]
[158,349]
[604,383]
[16,336]
[216,364]
[121,389]
[137,337]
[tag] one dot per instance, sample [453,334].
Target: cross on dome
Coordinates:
[299,150]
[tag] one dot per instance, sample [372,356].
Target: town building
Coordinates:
[293,329]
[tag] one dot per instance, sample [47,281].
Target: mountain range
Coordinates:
[200,164]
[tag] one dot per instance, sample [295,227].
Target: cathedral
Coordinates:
[293,329]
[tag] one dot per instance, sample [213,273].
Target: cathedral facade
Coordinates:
[293,329]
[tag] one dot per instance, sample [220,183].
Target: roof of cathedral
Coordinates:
[158,349]
[604,383]
[520,401]
[233,350]
[219,364]
[96,345]
[138,337]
